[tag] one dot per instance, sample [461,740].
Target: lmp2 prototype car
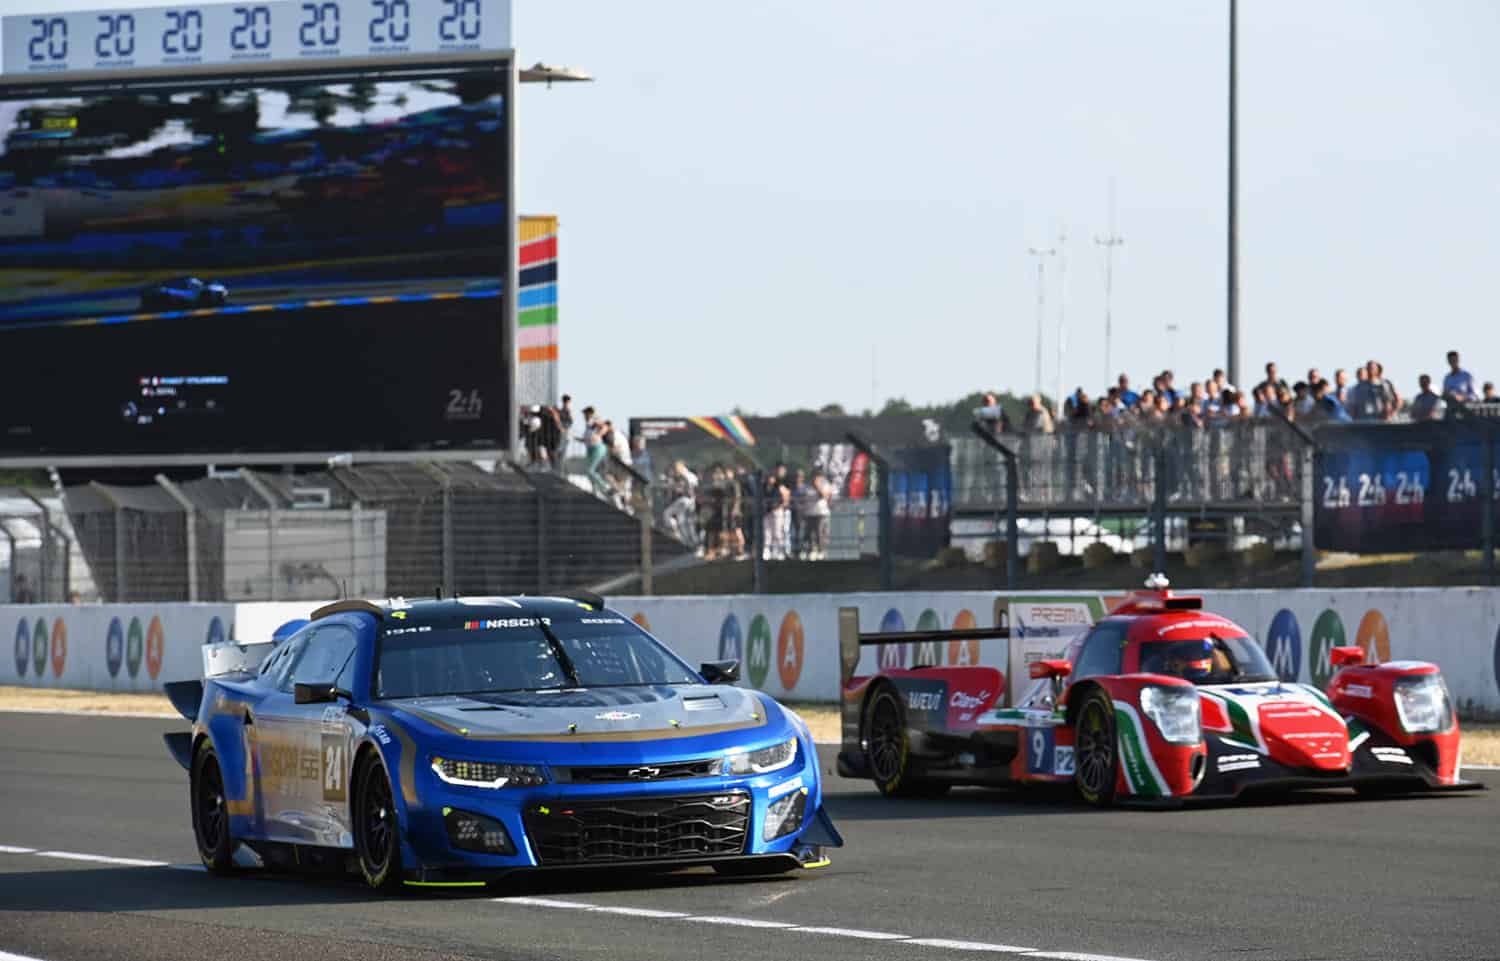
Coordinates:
[179,292]
[1157,703]
[449,743]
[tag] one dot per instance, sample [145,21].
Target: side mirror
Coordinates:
[317,693]
[1345,656]
[1058,668]
[720,672]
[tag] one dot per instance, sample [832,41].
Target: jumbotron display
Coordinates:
[291,262]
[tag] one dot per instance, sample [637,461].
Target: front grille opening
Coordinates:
[627,773]
[645,829]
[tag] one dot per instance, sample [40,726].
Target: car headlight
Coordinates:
[1422,704]
[1175,711]
[487,773]
[767,759]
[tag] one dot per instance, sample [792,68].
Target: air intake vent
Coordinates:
[704,702]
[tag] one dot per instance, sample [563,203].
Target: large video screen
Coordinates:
[289,263]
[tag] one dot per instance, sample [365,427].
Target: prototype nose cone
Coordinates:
[1304,735]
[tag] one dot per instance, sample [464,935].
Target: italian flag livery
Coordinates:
[1159,702]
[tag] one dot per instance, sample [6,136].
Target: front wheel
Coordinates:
[888,749]
[377,836]
[1095,757]
[211,812]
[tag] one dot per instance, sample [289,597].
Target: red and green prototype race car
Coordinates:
[1157,703]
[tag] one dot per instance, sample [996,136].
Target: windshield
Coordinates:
[516,654]
[1212,660]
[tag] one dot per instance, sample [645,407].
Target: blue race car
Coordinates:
[453,742]
[181,292]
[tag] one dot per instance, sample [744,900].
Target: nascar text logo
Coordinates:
[892,656]
[927,653]
[758,650]
[731,642]
[1327,633]
[23,646]
[114,646]
[1374,637]
[1284,645]
[963,653]
[789,647]
[59,647]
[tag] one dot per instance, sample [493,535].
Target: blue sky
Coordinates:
[759,200]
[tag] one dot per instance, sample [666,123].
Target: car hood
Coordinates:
[1292,723]
[610,712]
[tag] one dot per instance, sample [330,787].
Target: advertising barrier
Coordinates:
[109,647]
[788,643]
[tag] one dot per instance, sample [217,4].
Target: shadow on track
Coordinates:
[115,889]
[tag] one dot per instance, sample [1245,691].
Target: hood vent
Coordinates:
[703,702]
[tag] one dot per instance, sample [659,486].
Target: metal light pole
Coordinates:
[1109,243]
[1171,347]
[1233,306]
[1062,306]
[1041,304]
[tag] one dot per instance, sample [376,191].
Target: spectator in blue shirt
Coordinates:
[1128,397]
[1458,383]
[1327,403]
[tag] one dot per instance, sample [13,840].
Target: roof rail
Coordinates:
[347,607]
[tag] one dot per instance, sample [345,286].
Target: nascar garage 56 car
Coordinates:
[452,742]
[1157,703]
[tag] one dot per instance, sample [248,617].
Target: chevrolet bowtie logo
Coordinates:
[643,773]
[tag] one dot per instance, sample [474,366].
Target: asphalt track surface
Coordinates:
[1320,876]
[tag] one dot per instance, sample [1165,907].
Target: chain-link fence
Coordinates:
[36,545]
[365,531]
[1229,466]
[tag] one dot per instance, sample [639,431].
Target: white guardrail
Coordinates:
[788,643]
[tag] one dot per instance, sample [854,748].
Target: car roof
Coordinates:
[468,608]
[1160,614]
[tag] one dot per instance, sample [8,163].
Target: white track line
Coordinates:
[860,934]
[738,922]
[953,945]
[853,933]
[101,859]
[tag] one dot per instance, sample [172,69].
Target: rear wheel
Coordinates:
[1095,758]
[377,837]
[889,749]
[210,811]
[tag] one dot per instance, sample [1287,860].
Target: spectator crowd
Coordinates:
[718,514]
[1370,397]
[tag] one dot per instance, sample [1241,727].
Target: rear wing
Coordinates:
[928,653]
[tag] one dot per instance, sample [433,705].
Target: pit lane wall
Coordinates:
[788,643]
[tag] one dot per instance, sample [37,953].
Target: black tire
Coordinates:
[377,836]
[888,752]
[757,868]
[210,812]
[1096,750]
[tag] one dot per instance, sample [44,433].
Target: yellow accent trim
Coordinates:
[544,809]
[447,811]
[244,808]
[817,864]
[444,884]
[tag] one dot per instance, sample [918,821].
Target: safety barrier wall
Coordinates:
[788,643]
[109,647]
